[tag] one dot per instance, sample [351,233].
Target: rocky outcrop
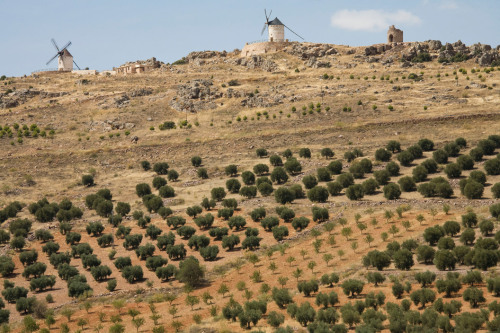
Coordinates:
[313,62]
[195,95]
[21,96]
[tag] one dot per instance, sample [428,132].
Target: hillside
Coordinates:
[227,110]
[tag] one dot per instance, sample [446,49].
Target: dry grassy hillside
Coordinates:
[224,109]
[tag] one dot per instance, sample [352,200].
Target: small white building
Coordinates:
[276,30]
[65,61]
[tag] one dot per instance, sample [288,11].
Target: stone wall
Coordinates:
[262,48]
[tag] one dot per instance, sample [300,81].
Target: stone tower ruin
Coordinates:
[394,35]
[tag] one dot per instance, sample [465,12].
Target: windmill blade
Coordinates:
[55,44]
[263,29]
[270,13]
[67,45]
[294,32]
[76,65]
[48,62]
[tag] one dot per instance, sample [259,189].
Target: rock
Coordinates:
[141,92]
[435,45]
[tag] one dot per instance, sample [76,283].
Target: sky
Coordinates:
[108,33]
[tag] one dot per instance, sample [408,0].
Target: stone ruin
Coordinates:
[394,35]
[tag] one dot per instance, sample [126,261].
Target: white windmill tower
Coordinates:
[276,29]
[65,61]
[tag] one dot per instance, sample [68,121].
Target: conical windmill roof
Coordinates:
[276,21]
[66,53]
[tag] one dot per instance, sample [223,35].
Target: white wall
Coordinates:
[277,33]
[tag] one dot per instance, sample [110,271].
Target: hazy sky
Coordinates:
[108,33]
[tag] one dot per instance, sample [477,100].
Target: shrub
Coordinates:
[248,177]
[345,179]
[327,153]
[334,188]
[202,173]
[57,259]
[50,248]
[225,213]
[383,155]
[282,297]
[355,192]
[269,223]
[28,257]
[166,272]
[425,254]
[101,272]
[265,189]
[478,176]
[382,177]
[286,214]
[159,182]
[476,154]
[280,232]
[87,180]
[473,190]
[275,160]
[122,262]
[163,241]
[186,231]
[230,242]
[426,144]
[405,158]
[335,167]
[407,184]
[492,166]
[236,222]
[323,175]
[132,241]
[287,153]
[204,222]
[319,214]
[440,156]
[105,240]
[453,170]
[445,259]
[146,166]
[122,208]
[18,243]
[423,296]
[300,223]
[231,170]
[419,173]
[196,161]
[218,193]
[305,153]
[292,166]
[451,228]
[175,221]
[132,273]
[190,272]
[392,191]
[260,169]
[495,210]
[284,195]
[487,146]
[452,149]
[257,214]
[392,168]
[251,243]
[209,253]
[233,185]
[90,260]
[142,189]
[279,175]
[352,287]
[161,168]
[153,202]
[357,170]
[465,162]
[261,152]
[318,194]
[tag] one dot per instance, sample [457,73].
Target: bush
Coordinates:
[18,243]
[487,146]
[327,153]
[440,156]
[153,262]
[407,184]
[28,257]
[492,166]
[132,241]
[451,228]
[152,202]
[230,242]
[319,214]
[300,223]
[163,241]
[370,186]
[175,221]
[426,144]
[202,173]
[265,189]
[186,231]
[142,189]
[392,168]
[196,161]
[478,176]
[465,162]
[50,248]
[248,177]
[190,272]
[101,272]
[159,182]
[161,168]
[382,177]
[261,152]
[132,273]
[122,208]
[392,191]
[279,175]
[233,185]
[345,179]
[495,210]
[209,253]
[383,155]
[473,190]
[146,166]
[355,192]
[305,153]
[284,195]
[357,170]
[318,194]
[433,234]
[218,193]
[292,166]
[423,296]
[275,160]
[352,287]
[282,297]
[452,149]
[335,167]
[419,173]
[166,272]
[87,180]
[453,170]
[279,233]
[260,169]
[225,213]
[122,262]
[445,259]
[269,223]
[105,240]
[249,191]
[236,222]
[334,188]
[251,243]
[231,170]
[323,175]
[405,158]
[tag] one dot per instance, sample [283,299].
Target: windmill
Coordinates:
[276,29]
[65,61]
